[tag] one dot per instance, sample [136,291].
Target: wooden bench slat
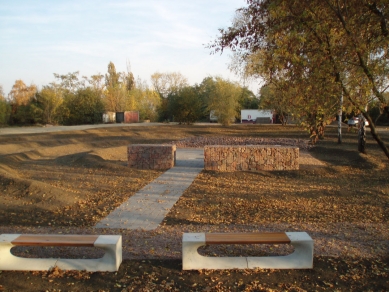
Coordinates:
[246,238]
[55,240]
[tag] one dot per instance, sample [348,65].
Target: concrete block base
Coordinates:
[110,262]
[301,258]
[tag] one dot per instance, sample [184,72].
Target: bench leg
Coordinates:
[301,258]
[110,262]
[192,260]
[9,262]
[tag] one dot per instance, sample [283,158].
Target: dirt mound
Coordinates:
[66,185]
[38,194]
[12,159]
[40,200]
[90,160]
[79,159]
[8,171]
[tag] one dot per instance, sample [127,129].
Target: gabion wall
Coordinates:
[150,156]
[250,157]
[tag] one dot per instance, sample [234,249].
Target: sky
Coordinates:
[42,37]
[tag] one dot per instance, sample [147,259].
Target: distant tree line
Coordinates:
[71,99]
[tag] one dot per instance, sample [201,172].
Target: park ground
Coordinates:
[65,182]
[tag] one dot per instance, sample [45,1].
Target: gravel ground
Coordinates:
[332,197]
[334,240]
[337,239]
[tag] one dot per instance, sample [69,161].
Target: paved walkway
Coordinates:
[148,207]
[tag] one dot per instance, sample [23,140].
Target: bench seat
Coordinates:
[110,262]
[246,238]
[301,258]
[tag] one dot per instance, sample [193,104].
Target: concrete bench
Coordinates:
[110,262]
[301,258]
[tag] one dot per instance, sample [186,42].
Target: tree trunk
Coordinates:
[362,134]
[375,135]
[371,124]
[340,119]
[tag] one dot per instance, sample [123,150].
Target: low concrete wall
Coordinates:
[150,156]
[250,157]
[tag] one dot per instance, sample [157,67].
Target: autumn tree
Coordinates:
[118,87]
[73,100]
[129,86]
[2,95]
[20,98]
[185,105]
[222,98]
[49,100]
[21,94]
[128,78]
[85,106]
[147,100]
[273,99]
[97,82]
[318,50]
[380,111]
[5,108]
[114,99]
[247,99]
[166,84]
[69,82]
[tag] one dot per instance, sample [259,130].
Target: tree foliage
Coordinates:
[97,83]
[380,111]
[147,101]
[49,100]
[20,98]
[85,106]
[69,82]
[273,99]
[114,90]
[248,100]
[167,84]
[222,98]
[185,105]
[73,100]
[21,94]
[5,108]
[118,95]
[315,50]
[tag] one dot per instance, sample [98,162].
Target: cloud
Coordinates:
[66,36]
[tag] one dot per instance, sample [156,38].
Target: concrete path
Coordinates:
[148,207]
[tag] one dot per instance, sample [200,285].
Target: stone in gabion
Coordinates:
[150,156]
[250,157]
